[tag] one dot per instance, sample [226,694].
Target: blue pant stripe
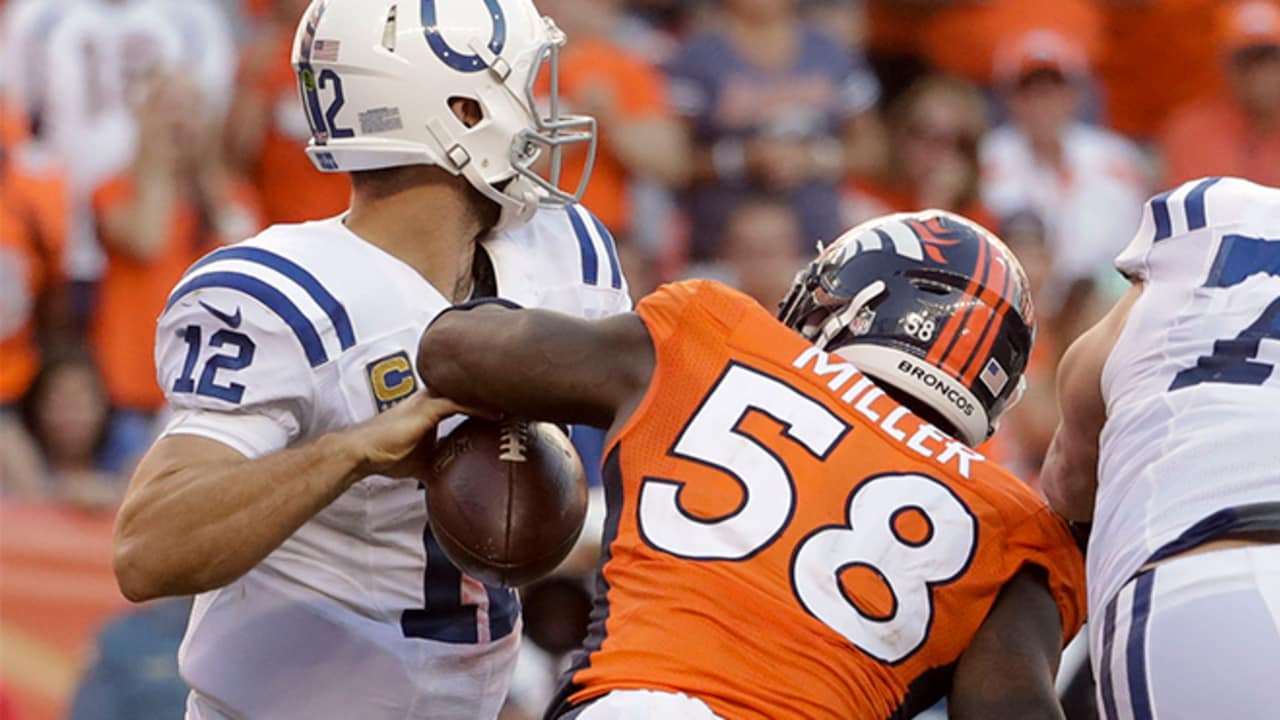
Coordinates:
[1105,683]
[273,299]
[1160,213]
[305,280]
[1196,216]
[1136,650]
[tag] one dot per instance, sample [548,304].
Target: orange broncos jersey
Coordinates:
[784,540]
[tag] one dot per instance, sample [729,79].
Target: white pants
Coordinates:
[1197,638]
[645,705]
[270,653]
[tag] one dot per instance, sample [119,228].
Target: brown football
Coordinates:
[506,500]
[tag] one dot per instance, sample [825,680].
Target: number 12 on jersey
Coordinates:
[208,386]
[909,567]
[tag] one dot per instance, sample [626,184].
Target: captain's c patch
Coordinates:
[392,379]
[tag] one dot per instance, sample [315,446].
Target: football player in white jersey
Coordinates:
[275,493]
[1169,446]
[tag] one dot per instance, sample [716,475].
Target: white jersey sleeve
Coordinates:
[232,355]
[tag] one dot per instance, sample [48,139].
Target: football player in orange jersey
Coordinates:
[798,526]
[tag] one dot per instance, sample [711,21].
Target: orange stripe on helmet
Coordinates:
[942,347]
[973,365]
[970,335]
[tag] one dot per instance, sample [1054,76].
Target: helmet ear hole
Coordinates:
[468,110]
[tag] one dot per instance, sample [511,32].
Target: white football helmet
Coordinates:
[377,77]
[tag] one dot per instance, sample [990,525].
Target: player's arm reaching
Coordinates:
[1069,478]
[198,514]
[234,476]
[1008,669]
[537,363]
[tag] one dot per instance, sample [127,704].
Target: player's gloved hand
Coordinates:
[384,445]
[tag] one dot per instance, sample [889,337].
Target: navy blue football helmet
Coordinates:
[930,303]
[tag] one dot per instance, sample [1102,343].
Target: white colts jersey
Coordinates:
[1191,388]
[307,329]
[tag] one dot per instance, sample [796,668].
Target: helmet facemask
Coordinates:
[553,132]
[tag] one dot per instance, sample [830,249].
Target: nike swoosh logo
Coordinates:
[232,320]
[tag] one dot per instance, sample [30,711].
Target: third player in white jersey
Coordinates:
[1191,389]
[1168,446]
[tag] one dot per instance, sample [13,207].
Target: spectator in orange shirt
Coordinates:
[1156,57]
[964,37]
[893,42]
[934,131]
[33,227]
[1237,132]
[267,128]
[640,137]
[960,37]
[176,204]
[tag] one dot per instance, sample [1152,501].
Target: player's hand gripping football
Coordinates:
[386,443]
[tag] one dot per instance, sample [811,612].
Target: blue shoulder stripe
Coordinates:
[1160,213]
[590,263]
[276,301]
[1196,216]
[295,272]
[609,248]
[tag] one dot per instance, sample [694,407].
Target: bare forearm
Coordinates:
[537,364]
[1008,669]
[246,131]
[1030,706]
[471,365]
[139,228]
[193,527]
[1069,479]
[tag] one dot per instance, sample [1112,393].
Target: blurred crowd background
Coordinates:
[136,135]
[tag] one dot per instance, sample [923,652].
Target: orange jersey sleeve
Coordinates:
[785,540]
[20,274]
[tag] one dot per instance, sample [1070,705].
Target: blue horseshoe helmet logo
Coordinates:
[463,62]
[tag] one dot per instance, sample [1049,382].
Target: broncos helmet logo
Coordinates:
[937,233]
